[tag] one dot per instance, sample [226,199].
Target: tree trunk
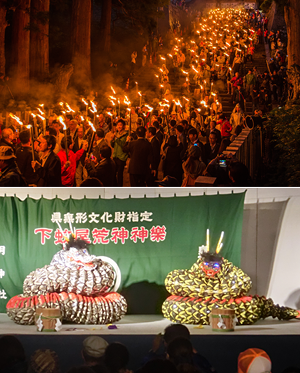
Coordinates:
[292,20]
[3,25]
[62,80]
[81,41]
[20,42]
[105,25]
[39,41]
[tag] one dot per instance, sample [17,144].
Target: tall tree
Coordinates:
[105,24]
[39,39]
[3,25]
[20,43]
[292,20]
[81,41]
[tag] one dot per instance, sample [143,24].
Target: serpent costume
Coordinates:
[214,282]
[80,284]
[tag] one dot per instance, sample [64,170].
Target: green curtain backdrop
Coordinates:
[147,237]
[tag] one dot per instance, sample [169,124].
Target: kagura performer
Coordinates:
[214,282]
[83,286]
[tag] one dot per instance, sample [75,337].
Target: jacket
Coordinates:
[118,144]
[50,173]
[68,174]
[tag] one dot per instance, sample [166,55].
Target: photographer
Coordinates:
[228,171]
[105,170]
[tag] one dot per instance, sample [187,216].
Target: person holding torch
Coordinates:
[68,160]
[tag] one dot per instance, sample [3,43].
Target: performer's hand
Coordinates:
[33,164]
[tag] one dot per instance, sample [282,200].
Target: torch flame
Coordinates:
[15,118]
[93,128]
[61,120]
[94,109]
[69,109]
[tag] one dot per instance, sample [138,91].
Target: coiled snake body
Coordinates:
[214,282]
[83,286]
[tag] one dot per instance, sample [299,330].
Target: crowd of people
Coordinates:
[179,139]
[171,353]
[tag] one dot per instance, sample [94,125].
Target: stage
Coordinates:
[280,339]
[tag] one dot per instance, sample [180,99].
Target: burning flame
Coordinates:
[94,107]
[61,120]
[69,109]
[113,90]
[149,107]
[41,112]
[15,118]
[93,128]
[83,100]
[126,101]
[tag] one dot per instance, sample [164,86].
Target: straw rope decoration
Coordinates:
[214,282]
[81,285]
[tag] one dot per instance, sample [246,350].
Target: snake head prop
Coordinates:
[75,254]
[211,264]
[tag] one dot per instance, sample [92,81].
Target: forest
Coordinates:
[45,44]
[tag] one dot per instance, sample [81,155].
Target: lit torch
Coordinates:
[94,110]
[92,139]
[60,118]
[86,106]
[34,125]
[32,145]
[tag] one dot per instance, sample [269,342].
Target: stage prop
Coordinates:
[146,237]
[213,282]
[77,283]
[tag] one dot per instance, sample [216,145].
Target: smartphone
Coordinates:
[222,163]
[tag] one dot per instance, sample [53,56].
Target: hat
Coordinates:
[94,346]
[6,152]
[44,361]
[254,360]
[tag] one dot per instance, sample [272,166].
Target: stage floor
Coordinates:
[152,325]
[280,339]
